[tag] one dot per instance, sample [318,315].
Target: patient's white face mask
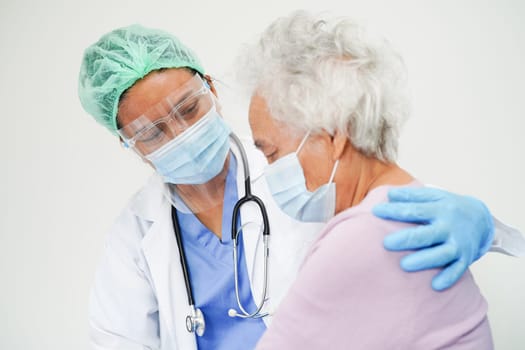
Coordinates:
[287,184]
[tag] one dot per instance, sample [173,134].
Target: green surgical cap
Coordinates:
[119,59]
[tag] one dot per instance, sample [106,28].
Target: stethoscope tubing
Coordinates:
[182,256]
[248,197]
[195,320]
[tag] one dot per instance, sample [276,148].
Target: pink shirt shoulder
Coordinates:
[352,294]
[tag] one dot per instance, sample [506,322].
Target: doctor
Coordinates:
[151,91]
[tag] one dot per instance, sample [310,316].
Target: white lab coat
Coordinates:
[139,301]
[139,298]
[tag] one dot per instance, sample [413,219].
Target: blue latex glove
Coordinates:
[456,231]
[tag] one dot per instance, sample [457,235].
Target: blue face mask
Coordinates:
[287,185]
[197,155]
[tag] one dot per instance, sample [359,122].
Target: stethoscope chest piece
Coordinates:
[195,322]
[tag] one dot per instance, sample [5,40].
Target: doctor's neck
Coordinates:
[206,200]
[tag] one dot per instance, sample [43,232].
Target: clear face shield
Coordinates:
[187,142]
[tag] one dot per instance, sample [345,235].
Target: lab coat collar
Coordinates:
[151,200]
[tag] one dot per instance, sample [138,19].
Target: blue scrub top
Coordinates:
[210,264]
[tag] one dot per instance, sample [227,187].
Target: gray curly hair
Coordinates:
[329,74]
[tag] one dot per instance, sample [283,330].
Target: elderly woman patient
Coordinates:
[327,106]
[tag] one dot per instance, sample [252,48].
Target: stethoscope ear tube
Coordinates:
[243,313]
[248,197]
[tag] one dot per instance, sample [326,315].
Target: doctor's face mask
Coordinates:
[182,134]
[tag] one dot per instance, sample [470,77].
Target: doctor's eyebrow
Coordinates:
[183,99]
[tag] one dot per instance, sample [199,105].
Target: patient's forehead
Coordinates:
[268,132]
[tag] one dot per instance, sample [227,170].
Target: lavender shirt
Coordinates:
[351,294]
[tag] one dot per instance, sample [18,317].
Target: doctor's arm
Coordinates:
[123,311]
[456,231]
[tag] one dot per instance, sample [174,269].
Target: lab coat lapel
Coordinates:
[162,255]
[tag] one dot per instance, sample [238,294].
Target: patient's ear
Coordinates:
[339,142]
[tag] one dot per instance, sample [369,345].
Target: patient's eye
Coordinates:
[271,154]
[272,157]
[269,150]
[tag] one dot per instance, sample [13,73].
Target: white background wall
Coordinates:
[64,178]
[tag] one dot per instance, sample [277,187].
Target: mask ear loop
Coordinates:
[333,171]
[303,142]
[336,162]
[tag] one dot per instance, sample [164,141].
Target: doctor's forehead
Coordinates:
[152,89]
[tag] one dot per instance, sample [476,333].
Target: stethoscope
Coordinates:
[195,322]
